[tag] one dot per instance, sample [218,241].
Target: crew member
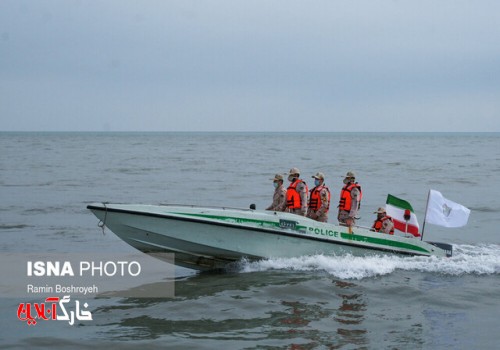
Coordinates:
[279,196]
[350,200]
[383,223]
[296,194]
[319,199]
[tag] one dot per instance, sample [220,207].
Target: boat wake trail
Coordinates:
[467,259]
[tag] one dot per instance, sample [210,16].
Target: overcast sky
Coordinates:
[267,65]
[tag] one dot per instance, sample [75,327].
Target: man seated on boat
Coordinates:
[350,200]
[319,199]
[279,196]
[296,194]
[383,223]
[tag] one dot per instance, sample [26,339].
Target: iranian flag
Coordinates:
[402,215]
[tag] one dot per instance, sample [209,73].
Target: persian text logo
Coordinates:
[49,311]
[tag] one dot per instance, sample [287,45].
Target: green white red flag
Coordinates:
[402,215]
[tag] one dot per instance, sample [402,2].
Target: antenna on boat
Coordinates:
[425,215]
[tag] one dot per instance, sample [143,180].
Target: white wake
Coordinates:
[466,259]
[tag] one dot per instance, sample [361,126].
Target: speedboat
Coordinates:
[206,238]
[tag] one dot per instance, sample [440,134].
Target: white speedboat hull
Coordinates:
[210,238]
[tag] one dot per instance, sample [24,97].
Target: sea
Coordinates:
[307,302]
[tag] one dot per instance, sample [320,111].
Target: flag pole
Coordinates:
[425,216]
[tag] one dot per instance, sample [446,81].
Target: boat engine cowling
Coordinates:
[448,248]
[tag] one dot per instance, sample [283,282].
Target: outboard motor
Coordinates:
[448,248]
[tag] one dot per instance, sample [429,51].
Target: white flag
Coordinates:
[443,212]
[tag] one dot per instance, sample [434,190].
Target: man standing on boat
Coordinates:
[296,194]
[319,200]
[383,223]
[279,197]
[350,200]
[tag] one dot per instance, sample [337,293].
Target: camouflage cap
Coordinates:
[350,174]
[319,176]
[380,210]
[294,171]
[278,177]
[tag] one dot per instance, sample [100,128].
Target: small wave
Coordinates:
[467,259]
[12,227]
[45,210]
[485,209]
[464,181]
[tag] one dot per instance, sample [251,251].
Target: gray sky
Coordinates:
[255,65]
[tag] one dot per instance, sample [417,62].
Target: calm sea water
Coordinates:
[376,302]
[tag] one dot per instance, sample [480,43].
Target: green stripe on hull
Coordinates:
[381,241]
[310,230]
[238,220]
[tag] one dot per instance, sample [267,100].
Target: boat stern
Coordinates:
[447,248]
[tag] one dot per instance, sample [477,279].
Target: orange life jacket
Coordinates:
[377,225]
[345,196]
[293,200]
[315,198]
